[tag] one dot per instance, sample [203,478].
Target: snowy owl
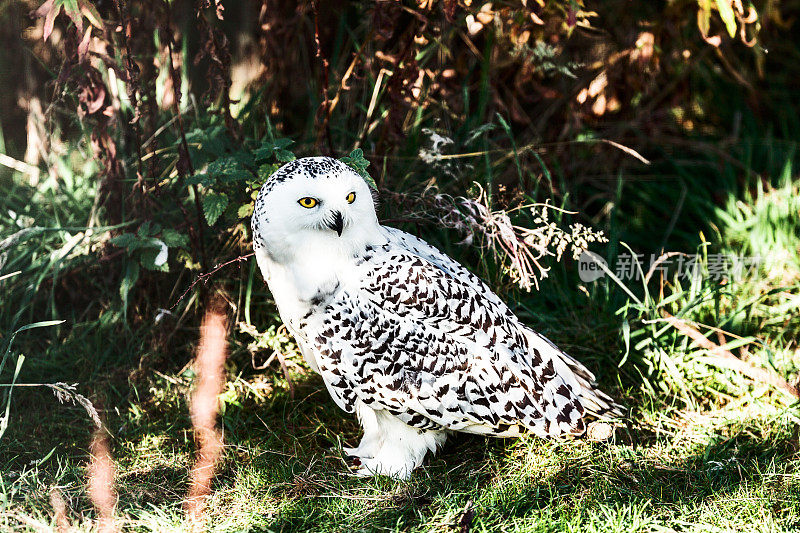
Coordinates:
[404,336]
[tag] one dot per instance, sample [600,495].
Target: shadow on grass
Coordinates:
[571,495]
[283,466]
[161,485]
[289,452]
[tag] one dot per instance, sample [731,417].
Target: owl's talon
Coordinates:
[362,451]
[363,472]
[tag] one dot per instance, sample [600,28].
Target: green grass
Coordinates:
[733,468]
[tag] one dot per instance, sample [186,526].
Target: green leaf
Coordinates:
[129,279]
[211,143]
[4,419]
[370,181]
[147,229]
[276,149]
[42,324]
[71,7]
[727,16]
[244,158]
[240,175]
[195,136]
[284,156]
[174,239]
[357,162]
[199,179]
[123,241]
[214,205]
[265,171]
[245,210]
[224,166]
[283,142]
[92,15]
[133,242]
[265,152]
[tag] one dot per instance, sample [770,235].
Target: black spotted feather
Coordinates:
[419,336]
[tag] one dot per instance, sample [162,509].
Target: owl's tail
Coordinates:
[597,404]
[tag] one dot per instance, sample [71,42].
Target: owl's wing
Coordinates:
[425,345]
[597,403]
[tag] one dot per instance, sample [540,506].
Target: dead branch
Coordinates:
[204,277]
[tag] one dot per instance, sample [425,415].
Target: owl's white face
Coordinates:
[310,202]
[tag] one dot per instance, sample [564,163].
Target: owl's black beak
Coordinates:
[337,224]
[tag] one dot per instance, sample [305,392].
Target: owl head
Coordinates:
[312,201]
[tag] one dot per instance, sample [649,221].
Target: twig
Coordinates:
[343,83]
[204,277]
[723,358]
[19,166]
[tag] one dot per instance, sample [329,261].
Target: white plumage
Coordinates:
[404,336]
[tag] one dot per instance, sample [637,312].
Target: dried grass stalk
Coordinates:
[722,358]
[523,251]
[60,511]
[101,474]
[204,408]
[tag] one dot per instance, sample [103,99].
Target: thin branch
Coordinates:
[204,277]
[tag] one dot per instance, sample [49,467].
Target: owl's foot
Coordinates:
[367,449]
[352,452]
[398,458]
[390,447]
[354,461]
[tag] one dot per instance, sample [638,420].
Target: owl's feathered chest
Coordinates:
[315,275]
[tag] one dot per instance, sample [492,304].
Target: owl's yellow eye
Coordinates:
[307,202]
[351,198]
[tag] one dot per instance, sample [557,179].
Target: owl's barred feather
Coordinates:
[402,334]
